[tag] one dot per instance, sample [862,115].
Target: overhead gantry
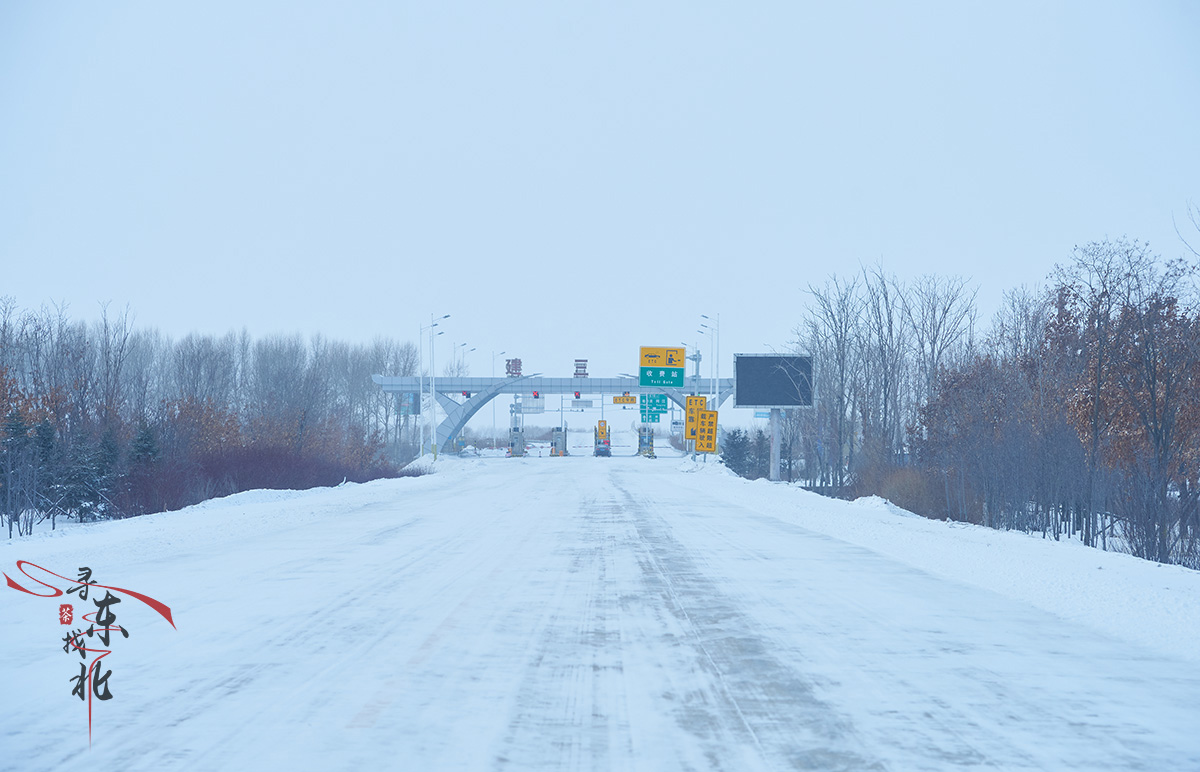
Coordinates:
[460,409]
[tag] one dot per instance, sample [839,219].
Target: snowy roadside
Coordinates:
[1152,605]
[210,525]
[1155,606]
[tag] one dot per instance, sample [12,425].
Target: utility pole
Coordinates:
[433,384]
[775,431]
[717,327]
[420,372]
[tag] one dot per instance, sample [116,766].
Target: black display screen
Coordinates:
[771,380]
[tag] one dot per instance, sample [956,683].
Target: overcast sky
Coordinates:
[573,179]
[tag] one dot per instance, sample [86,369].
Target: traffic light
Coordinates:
[467,394]
[576,395]
[535,395]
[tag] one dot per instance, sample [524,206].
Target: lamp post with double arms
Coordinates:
[715,331]
[494,355]
[433,383]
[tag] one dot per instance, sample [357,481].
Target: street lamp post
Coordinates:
[696,387]
[494,355]
[695,358]
[420,370]
[433,384]
[717,357]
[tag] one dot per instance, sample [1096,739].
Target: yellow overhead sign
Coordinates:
[628,399]
[706,434]
[655,356]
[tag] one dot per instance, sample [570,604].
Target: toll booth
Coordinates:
[516,441]
[646,441]
[558,442]
[603,444]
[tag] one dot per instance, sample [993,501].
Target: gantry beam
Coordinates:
[460,410]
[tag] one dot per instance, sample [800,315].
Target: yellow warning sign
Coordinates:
[692,416]
[602,429]
[706,432]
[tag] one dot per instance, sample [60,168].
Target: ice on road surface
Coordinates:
[601,614]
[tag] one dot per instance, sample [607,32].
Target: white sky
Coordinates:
[573,180]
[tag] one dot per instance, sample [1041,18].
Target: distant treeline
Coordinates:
[1077,414]
[103,420]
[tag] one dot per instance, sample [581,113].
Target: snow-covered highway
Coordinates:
[584,613]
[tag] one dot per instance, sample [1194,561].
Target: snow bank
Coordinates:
[1153,605]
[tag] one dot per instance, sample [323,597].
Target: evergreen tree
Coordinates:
[735,451]
[143,457]
[760,455]
[48,488]
[109,476]
[81,482]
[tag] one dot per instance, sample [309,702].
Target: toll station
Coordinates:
[461,398]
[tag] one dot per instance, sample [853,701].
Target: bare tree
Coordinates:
[146,375]
[1019,327]
[1193,215]
[1097,284]
[113,334]
[206,369]
[940,314]
[833,335]
[9,351]
[1158,418]
[884,346]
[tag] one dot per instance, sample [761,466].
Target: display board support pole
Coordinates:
[775,431]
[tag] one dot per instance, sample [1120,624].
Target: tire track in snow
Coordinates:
[646,664]
[940,675]
[569,712]
[752,694]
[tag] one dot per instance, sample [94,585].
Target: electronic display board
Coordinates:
[772,380]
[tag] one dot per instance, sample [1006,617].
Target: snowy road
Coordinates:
[571,614]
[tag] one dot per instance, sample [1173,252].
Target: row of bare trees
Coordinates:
[879,346]
[1077,414]
[105,419]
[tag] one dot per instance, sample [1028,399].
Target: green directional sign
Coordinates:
[670,377]
[654,402]
[650,418]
